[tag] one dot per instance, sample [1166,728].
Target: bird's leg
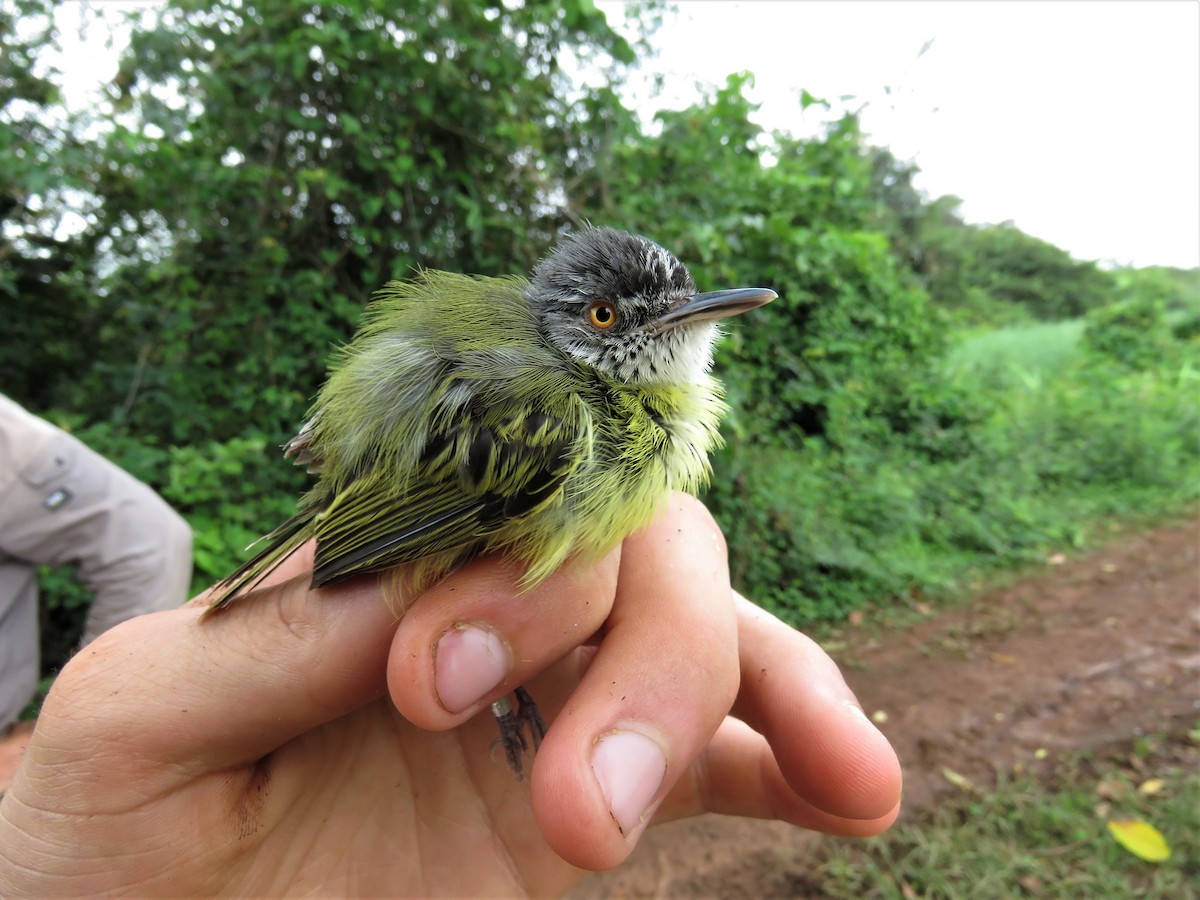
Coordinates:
[510,734]
[514,724]
[529,718]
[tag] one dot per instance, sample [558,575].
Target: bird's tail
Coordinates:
[279,545]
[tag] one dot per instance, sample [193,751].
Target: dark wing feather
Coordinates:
[471,481]
[441,533]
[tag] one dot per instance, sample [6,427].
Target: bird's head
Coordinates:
[625,306]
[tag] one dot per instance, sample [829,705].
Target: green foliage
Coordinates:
[815,531]
[1012,268]
[1133,333]
[230,492]
[215,485]
[995,274]
[46,304]
[836,352]
[264,169]
[1018,353]
[61,615]
[1156,321]
[1178,290]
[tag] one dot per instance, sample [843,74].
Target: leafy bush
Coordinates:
[1133,333]
[817,530]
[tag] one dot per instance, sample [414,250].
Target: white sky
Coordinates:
[1078,121]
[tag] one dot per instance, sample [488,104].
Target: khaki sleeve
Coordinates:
[61,503]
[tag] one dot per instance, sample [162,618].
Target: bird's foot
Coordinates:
[514,724]
[530,717]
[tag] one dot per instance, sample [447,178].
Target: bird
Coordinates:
[541,418]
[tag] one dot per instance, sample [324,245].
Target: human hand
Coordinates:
[296,742]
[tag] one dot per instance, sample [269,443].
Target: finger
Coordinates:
[827,749]
[476,636]
[740,776]
[655,691]
[227,688]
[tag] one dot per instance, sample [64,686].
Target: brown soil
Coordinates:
[1088,653]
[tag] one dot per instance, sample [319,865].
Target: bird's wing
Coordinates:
[472,478]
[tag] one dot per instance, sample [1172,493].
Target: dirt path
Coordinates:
[1092,651]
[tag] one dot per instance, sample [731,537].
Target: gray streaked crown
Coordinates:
[643,281]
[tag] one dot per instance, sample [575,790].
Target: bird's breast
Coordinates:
[650,443]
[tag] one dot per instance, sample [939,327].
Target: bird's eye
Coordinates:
[602,314]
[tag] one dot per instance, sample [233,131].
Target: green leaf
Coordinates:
[807,100]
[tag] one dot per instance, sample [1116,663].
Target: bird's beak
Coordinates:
[714,305]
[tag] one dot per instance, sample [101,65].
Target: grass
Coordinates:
[1043,835]
[1020,352]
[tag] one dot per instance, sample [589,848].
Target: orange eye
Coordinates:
[602,314]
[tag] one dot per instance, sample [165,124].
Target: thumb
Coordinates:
[225,689]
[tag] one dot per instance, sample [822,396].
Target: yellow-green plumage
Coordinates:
[477,415]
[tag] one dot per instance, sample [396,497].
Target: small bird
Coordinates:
[539,419]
